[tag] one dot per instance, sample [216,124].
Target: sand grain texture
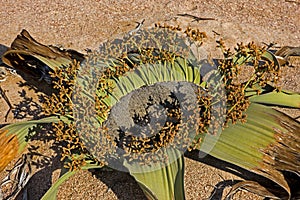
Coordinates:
[85,24]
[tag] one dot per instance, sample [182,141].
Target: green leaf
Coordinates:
[269,95]
[163,182]
[266,144]
[282,98]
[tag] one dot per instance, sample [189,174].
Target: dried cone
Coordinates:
[9,148]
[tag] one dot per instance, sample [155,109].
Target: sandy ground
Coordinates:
[86,24]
